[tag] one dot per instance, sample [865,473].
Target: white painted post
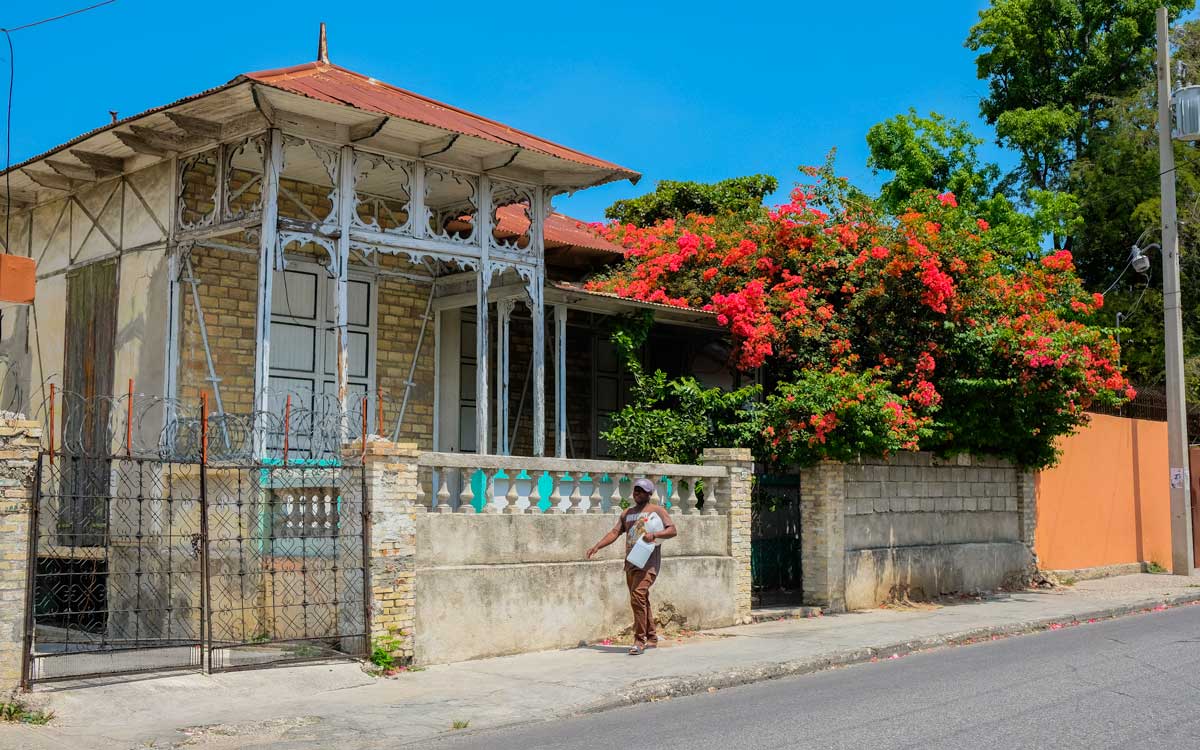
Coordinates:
[267,249]
[346,206]
[483,281]
[538,310]
[560,381]
[504,310]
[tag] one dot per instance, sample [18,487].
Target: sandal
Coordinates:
[637,649]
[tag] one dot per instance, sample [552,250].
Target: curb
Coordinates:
[665,688]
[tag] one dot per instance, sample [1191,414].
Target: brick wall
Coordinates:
[228,292]
[19,442]
[227,286]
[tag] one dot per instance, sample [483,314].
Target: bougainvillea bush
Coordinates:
[884,333]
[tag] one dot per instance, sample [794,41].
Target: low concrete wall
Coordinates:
[913,525]
[489,585]
[449,587]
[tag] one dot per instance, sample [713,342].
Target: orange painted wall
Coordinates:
[1108,500]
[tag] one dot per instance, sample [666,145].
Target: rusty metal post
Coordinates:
[287,426]
[364,426]
[129,422]
[379,411]
[204,428]
[52,424]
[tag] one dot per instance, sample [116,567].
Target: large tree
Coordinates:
[940,154]
[673,199]
[1053,69]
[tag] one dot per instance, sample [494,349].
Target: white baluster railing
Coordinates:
[558,485]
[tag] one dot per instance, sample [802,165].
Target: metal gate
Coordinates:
[149,564]
[775,535]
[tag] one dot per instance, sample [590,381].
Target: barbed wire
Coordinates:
[313,427]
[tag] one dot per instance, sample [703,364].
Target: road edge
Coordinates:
[657,689]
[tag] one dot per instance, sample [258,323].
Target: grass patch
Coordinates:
[1153,567]
[460,724]
[16,712]
[1068,580]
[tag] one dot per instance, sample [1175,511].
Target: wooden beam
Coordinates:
[437,146]
[364,130]
[498,161]
[100,163]
[72,171]
[49,180]
[140,145]
[263,104]
[197,127]
[166,141]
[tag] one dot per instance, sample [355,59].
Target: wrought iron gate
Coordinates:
[140,565]
[775,536]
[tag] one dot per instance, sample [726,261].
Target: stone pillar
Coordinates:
[823,535]
[736,504]
[1027,510]
[395,500]
[19,444]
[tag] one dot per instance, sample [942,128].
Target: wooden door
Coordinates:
[91,330]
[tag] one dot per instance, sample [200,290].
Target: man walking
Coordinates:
[633,523]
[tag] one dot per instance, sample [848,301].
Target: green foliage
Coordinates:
[382,649]
[1053,68]
[1117,183]
[832,415]
[741,196]
[673,420]
[934,152]
[939,154]
[17,712]
[460,724]
[1153,567]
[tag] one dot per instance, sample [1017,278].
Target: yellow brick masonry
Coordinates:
[19,443]
[391,478]
[228,294]
[738,488]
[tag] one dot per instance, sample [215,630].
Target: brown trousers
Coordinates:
[639,583]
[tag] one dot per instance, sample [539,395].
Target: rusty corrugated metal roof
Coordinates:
[336,85]
[559,230]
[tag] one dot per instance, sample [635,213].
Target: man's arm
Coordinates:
[613,535]
[668,531]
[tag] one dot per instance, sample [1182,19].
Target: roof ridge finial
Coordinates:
[322,47]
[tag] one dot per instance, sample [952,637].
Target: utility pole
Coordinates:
[1177,440]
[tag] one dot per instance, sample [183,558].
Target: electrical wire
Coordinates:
[12,74]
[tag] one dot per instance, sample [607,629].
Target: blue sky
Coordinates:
[676,90]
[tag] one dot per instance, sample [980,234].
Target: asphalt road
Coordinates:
[1129,683]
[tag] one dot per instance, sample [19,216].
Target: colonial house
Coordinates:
[315,251]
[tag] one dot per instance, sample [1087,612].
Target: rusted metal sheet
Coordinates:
[336,85]
[560,230]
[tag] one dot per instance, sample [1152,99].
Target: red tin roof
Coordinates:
[330,83]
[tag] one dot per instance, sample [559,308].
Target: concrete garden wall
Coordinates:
[913,526]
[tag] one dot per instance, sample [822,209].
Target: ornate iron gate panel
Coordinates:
[115,567]
[775,534]
[147,564]
[285,565]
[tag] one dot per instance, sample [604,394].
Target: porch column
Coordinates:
[345,200]
[537,309]
[560,381]
[482,282]
[504,310]
[267,252]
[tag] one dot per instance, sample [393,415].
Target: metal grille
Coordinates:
[775,534]
[143,565]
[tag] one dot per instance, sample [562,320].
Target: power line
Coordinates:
[59,18]
[12,74]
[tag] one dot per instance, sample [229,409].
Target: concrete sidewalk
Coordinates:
[329,704]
